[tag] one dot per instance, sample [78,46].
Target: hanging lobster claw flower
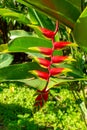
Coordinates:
[48,33]
[59,59]
[43,50]
[41,74]
[55,71]
[62,44]
[41,98]
[43,62]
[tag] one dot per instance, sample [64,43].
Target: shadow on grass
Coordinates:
[16,117]
[9,114]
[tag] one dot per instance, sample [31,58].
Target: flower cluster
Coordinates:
[47,63]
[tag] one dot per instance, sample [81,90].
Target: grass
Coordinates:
[17,112]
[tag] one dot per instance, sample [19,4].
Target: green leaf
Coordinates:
[22,44]
[40,84]
[5,60]
[19,33]
[18,71]
[39,20]
[35,83]
[57,81]
[33,16]
[65,11]
[80,30]
[13,14]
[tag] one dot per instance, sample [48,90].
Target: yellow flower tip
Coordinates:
[70,59]
[33,72]
[43,66]
[73,45]
[66,70]
[36,59]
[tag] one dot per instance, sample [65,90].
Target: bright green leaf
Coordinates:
[18,71]
[5,60]
[19,33]
[80,30]
[22,44]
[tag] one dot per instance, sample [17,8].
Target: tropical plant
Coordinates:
[43,46]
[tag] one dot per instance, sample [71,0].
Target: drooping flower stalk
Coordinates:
[43,94]
[41,98]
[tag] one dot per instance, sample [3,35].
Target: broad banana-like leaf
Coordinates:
[80,30]
[39,84]
[21,73]
[65,11]
[22,44]
[18,71]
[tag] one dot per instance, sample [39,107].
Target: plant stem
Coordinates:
[49,68]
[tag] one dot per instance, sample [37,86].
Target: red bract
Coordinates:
[41,74]
[42,97]
[43,62]
[58,59]
[46,51]
[61,44]
[48,33]
[55,71]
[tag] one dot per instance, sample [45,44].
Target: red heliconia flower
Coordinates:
[43,62]
[45,51]
[58,59]
[61,44]
[41,98]
[55,71]
[41,74]
[48,33]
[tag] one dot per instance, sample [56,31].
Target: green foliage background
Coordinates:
[59,113]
